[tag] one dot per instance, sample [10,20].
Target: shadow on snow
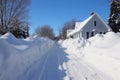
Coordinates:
[49,67]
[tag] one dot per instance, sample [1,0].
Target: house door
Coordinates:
[92,34]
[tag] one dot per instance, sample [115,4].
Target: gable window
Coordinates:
[87,35]
[94,23]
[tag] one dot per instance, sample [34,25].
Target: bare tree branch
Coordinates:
[45,31]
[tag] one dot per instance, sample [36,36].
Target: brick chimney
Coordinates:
[92,13]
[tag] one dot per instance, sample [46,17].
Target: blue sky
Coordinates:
[56,12]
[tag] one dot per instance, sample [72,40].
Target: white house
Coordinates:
[91,26]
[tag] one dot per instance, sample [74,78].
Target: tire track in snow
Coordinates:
[34,69]
[59,65]
[63,66]
[50,70]
[77,69]
[45,64]
[84,70]
[43,68]
[74,71]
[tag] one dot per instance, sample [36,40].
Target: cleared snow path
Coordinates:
[56,64]
[50,70]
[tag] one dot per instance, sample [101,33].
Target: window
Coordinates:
[100,32]
[71,36]
[104,32]
[94,23]
[92,34]
[87,35]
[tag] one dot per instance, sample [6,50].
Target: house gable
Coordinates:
[95,23]
[91,26]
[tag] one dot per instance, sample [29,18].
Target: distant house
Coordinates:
[91,26]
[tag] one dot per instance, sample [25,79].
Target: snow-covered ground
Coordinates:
[104,54]
[22,59]
[73,59]
[100,52]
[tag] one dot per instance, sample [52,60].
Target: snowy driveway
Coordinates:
[56,64]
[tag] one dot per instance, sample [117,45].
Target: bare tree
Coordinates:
[67,25]
[13,13]
[45,31]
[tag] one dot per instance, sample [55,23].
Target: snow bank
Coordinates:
[108,43]
[101,52]
[108,40]
[16,55]
[71,45]
[104,54]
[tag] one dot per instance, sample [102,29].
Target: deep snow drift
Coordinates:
[17,57]
[100,52]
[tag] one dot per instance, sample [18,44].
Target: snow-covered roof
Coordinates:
[80,25]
